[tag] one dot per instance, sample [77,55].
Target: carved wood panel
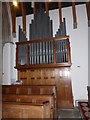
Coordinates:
[51,76]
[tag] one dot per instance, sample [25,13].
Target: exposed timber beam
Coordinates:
[13,15]
[60,12]
[88,12]
[23,16]
[46,7]
[34,8]
[74,15]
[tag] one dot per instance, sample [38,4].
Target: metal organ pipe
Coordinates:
[41,27]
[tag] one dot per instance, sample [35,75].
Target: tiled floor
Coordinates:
[69,114]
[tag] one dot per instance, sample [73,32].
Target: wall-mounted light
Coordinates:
[15,3]
[32,4]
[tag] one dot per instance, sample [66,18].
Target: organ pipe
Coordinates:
[46,52]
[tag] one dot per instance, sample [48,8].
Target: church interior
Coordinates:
[44,60]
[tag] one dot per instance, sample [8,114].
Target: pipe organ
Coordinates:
[47,51]
[62,29]
[42,50]
[21,35]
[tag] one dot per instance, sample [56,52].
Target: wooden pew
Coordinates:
[31,94]
[26,110]
[30,99]
[31,90]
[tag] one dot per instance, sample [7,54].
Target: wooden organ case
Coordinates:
[44,59]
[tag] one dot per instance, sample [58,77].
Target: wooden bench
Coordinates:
[30,99]
[31,89]
[26,110]
[31,94]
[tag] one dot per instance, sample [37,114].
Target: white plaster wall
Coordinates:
[79,45]
[79,48]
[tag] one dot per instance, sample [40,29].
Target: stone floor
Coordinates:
[69,114]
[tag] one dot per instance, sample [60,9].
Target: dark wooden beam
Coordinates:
[88,12]
[46,7]
[74,14]
[13,15]
[23,16]
[60,12]
[34,9]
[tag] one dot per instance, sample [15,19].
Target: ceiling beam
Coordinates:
[74,15]
[23,16]
[46,7]
[34,8]
[88,12]
[60,12]
[13,15]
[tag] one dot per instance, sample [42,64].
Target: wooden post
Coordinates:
[60,12]
[74,15]
[69,54]
[23,16]
[88,12]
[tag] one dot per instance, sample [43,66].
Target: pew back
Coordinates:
[24,110]
[28,99]
[31,94]
[29,89]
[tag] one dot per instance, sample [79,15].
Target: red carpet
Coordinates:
[84,110]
